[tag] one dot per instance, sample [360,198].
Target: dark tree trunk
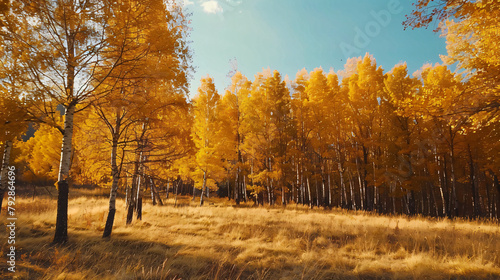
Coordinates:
[109,223]
[61,234]
[168,189]
[176,189]
[130,214]
[411,203]
[2,194]
[475,192]
[132,203]
[447,189]
[203,187]
[368,191]
[495,183]
[139,208]
[237,189]
[454,208]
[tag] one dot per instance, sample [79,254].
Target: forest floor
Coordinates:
[223,241]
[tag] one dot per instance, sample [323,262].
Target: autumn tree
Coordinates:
[70,49]
[320,122]
[205,135]
[400,122]
[471,34]
[148,88]
[232,134]
[12,126]
[300,113]
[473,48]
[13,117]
[268,127]
[365,94]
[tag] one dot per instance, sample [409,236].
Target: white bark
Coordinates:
[116,177]
[66,148]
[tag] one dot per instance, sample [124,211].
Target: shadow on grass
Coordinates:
[88,256]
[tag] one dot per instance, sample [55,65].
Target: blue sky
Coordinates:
[288,35]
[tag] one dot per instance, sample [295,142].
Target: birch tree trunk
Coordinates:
[156,192]
[5,169]
[309,193]
[329,191]
[61,234]
[443,193]
[140,182]
[343,191]
[269,187]
[115,171]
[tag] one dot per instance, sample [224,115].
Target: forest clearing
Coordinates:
[222,241]
[329,140]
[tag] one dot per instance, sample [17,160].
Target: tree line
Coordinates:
[372,141]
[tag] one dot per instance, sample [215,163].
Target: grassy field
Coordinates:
[221,241]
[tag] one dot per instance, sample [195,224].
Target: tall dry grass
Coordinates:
[221,241]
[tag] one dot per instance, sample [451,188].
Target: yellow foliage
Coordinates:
[40,155]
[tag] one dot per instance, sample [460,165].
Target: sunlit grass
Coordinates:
[221,241]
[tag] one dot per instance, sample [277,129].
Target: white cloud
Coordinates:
[187,2]
[212,7]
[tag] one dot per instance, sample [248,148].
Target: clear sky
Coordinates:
[288,35]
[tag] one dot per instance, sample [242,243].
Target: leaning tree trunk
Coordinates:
[5,169]
[154,192]
[61,234]
[138,205]
[203,187]
[309,193]
[115,173]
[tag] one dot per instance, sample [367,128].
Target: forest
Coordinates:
[94,94]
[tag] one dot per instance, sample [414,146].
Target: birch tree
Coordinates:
[65,52]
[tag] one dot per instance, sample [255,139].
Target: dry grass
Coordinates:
[220,241]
